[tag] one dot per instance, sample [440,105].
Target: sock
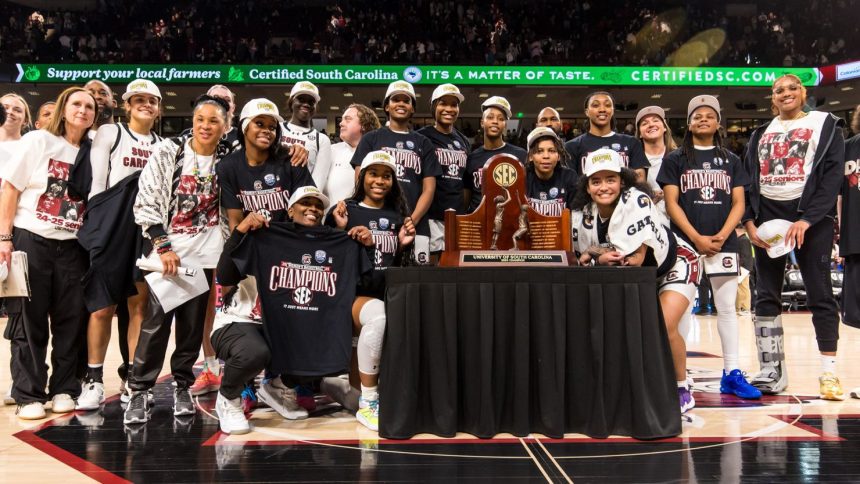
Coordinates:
[681,384]
[369,393]
[212,365]
[95,373]
[725,290]
[828,364]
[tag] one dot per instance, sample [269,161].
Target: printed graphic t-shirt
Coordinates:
[786,152]
[306,280]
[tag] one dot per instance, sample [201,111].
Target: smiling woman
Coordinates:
[36,201]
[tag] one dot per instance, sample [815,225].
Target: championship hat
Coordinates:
[400,87]
[497,102]
[446,90]
[141,86]
[602,159]
[379,157]
[305,87]
[773,232]
[538,133]
[309,191]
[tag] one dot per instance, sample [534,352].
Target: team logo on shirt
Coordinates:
[542,195]
[553,192]
[410,145]
[372,225]
[399,145]
[728,262]
[377,257]
[453,170]
[383,223]
[258,185]
[707,193]
[706,166]
[319,256]
[302,296]
[269,179]
[616,146]
[306,259]
[456,143]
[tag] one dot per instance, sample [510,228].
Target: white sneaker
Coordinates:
[281,399]
[62,403]
[92,396]
[231,418]
[7,399]
[30,411]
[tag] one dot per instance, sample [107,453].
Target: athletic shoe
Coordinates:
[830,387]
[124,393]
[182,402]
[685,398]
[855,393]
[7,399]
[231,418]
[368,413]
[735,383]
[92,396]
[281,399]
[305,398]
[138,408]
[339,390]
[30,411]
[62,403]
[249,399]
[206,382]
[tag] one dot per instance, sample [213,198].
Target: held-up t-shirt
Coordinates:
[452,152]
[414,154]
[474,175]
[265,188]
[849,233]
[705,189]
[551,197]
[628,147]
[384,225]
[39,167]
[786,152]
[306,279]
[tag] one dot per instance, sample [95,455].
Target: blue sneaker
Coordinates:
[734,383]
[249,399]
[685,399]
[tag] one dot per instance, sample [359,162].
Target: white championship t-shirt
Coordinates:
[39,167]
[118,152]
[786,152]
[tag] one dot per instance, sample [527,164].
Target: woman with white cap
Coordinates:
[452,151]
[600,133]
[704,187]
[36,202]
[177,208]
[550,184]
[118,151]
[496,111]
[609,202]
[302,104]
[378,208]
[417,166]
[796,163]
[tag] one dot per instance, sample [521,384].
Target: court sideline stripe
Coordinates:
[537,463]
[555,462]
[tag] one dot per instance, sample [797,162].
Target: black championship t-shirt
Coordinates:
[306,279]
[628,147]
[452,152]
[264,188]
[384,224]
[849,232]
[414,154]
[550,197]
[474,175]
[705,186]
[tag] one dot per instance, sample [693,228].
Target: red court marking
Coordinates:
[84,467]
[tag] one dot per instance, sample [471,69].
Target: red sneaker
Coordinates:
[206,382]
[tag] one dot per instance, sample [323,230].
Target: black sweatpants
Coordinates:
[814,261]
[245,352]
[55,309]
[155,335]
[851,291]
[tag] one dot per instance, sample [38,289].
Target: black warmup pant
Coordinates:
[155,334]
[814,261]
[245,352]
[55,308]
[851,291]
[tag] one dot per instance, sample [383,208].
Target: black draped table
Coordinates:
[526,350]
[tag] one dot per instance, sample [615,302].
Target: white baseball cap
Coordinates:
[538,133]
[443,90]
[141,86]
[309,191]
[703,101]
[400,87]
[773,232]
[602,159]
[305,87]
[379,157]
[497,102]
[260,107]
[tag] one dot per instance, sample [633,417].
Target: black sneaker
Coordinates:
[138,408]
[182,402]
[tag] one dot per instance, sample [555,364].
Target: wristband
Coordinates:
[5,237]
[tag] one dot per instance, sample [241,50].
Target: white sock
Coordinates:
[369,393]
[828,364]
[725,290]
[99,365]
[212,365]
[683,384]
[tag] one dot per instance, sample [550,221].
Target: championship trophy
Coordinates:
[504,230]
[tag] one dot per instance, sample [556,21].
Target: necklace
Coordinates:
[785,124]
[195,169]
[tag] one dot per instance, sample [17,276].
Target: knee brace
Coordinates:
[372,320]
